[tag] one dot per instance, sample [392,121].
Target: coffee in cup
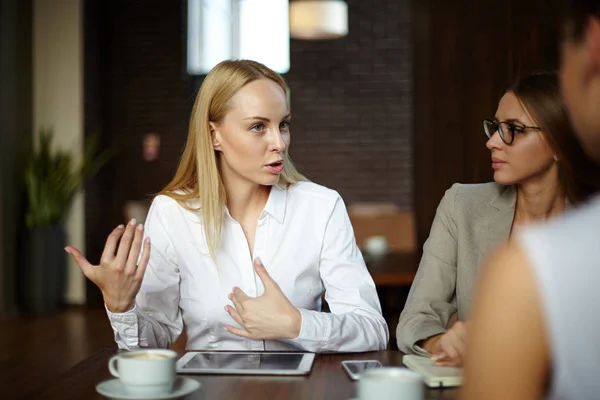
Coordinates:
[145,372]
[146,355]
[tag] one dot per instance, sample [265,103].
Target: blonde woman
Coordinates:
[239,247]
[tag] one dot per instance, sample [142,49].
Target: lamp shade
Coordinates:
[319,19]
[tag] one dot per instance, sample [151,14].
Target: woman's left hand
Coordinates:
[269,316]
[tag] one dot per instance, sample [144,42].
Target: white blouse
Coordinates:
[306,242]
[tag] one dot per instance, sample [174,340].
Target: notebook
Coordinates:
[433,376]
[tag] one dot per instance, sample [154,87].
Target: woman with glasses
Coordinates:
[539,171]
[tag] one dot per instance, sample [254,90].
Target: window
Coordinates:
[231,29]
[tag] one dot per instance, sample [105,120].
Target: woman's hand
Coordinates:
[269,316]
[448,349]
[118,276]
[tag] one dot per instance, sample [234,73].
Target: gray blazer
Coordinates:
[469,222]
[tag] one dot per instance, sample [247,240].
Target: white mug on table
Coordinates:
[145,372]
[390,383]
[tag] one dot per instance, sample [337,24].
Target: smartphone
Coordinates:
[356,367]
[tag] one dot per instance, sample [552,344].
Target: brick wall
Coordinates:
[351,104]
[351,100]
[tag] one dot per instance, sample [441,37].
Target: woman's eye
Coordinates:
[257,128]
[518,129]
[285,125]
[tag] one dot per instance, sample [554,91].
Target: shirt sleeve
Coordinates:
[156,319]
[431,301]
[355,323]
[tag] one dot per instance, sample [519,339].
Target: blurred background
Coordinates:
[387,99]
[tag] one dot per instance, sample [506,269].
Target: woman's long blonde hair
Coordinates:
[197,176]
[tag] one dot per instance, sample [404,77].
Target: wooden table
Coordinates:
[394,269]
[327,380]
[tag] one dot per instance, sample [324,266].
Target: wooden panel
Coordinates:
[534,35]
[15,130]
[461,66]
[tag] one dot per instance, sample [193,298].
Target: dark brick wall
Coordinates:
[351,100]
[351,105]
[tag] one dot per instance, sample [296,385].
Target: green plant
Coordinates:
[52,179]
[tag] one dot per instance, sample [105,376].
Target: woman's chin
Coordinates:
[269,180]
[502,179]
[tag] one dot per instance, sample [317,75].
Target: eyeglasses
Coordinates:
[507,130]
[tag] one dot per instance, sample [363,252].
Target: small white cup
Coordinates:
[376,246]
[145,372]
[390,383]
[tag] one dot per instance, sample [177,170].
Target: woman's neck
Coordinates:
[246,199]
[540,199]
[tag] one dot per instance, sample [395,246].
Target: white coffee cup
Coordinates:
[390,383]
[145,372]
[376,246]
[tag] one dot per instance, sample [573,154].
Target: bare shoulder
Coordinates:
[505,283]
[507,355]
[508,265]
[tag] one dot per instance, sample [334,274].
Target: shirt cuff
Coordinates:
[301,325]
[120,315]
[125,327]
[408,335]
[311,334]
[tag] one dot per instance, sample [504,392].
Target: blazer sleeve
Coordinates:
[431,300]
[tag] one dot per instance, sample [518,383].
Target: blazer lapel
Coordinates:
[498,225]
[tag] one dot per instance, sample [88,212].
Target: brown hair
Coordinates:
[539,93]
[198,166]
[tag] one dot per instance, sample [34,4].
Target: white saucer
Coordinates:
[114,389]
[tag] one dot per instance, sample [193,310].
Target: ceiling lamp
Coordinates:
[318,19]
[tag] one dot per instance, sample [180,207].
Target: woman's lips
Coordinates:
[275,168]
[497,163]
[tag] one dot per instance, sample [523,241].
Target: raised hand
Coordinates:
[269,316]
[118,276]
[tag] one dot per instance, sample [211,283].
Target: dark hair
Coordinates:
[539,93]
[575,16]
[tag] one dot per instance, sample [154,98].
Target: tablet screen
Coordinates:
[241,361]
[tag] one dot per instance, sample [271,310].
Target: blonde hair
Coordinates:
[198,166]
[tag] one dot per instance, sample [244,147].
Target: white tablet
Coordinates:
[255,363]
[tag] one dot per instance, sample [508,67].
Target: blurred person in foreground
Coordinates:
[535,327]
